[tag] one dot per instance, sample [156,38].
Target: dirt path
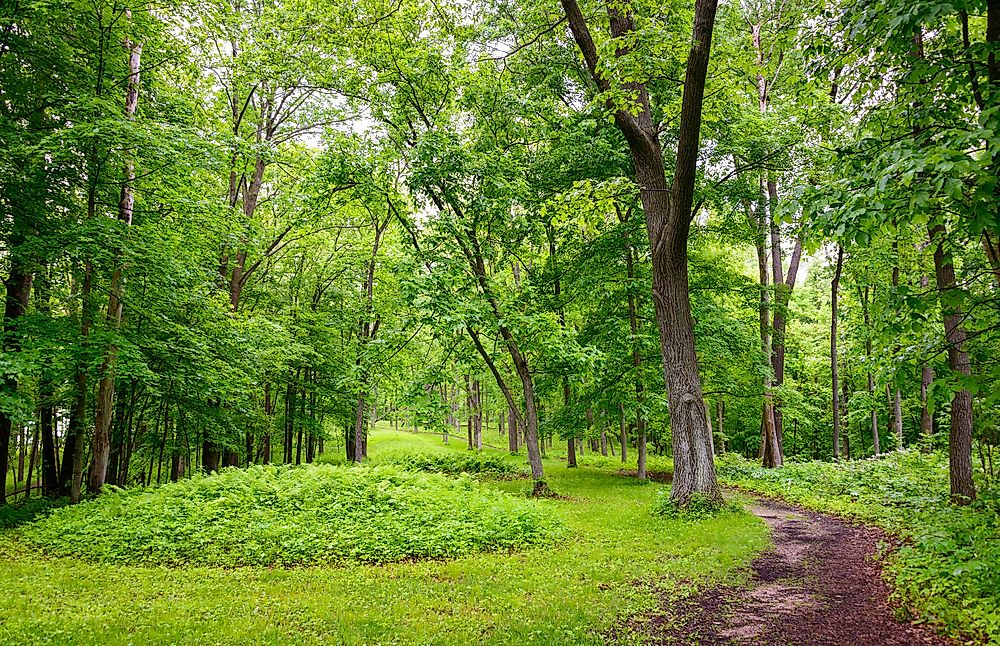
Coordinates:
[818,587]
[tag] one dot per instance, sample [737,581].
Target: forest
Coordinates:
[500,322]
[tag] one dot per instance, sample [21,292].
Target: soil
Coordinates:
[821,585]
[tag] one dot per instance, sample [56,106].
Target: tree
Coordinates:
[668,220]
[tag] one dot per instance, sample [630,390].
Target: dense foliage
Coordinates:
[484,464]
[630,236]
[295,516]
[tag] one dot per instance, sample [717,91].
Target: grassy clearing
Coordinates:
[947,571]
[569,593]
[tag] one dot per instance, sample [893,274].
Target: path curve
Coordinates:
[820,586]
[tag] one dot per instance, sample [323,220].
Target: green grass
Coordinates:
[947,571]
[569,593]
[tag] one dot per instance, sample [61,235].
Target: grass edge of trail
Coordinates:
[570,593]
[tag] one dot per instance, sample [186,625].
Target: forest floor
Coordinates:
[570,593]
[773,574]
[820,585]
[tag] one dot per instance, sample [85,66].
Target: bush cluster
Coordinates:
[268,515]
[25,511]
[699,506]
[470,462]
[948,568]
[654,463]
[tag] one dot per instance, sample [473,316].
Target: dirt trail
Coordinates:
[819,586]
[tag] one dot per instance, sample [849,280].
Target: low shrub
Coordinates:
[470,462]
[948,568]
[25,511]
[654,463]
[698,507]
[268,515]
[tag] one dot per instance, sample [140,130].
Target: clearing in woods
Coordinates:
[622,575]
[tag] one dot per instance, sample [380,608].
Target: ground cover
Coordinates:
[572,592]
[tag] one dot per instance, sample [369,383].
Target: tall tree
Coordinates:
[101,445]
[668,211]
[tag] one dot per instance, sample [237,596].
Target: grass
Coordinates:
[569,593]
[947,571]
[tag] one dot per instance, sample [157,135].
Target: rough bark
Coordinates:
[668,222]
[770,449]
[834,294]
[963,489]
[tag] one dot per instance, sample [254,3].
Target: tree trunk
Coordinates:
[770,450]
[896,400]
[633,321]
[531,424]
[571,442]
[18,292]
[469,242]
[720,446]
[963,489]
[511,430]
[926,422]
[782,288]
[32,461]
[668,220]
[46,397]
[101,445]
[46,427]
[623,431]
[359,429]
[834,293]
[469,407]
[876,444]
[897,415]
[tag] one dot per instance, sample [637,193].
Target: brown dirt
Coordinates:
[821,586]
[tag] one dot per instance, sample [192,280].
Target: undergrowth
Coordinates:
[290,516]
[947,570]
[25,511]
[484,464]
[654,463]
[699,506]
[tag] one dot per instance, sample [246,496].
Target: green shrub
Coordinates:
[948,568]
[654,463]
[699,506]
[295,515]
[473,463]
[25,511]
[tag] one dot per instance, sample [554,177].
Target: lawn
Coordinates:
[569,593]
